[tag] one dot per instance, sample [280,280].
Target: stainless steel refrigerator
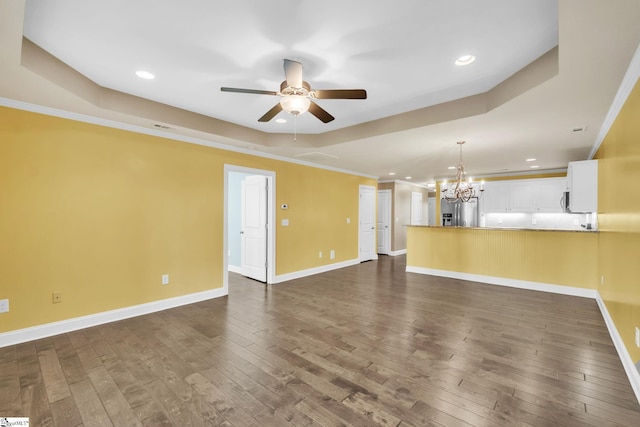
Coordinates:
[459,213]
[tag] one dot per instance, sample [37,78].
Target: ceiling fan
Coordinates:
[297,95]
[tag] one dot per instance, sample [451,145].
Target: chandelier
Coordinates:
[462,189]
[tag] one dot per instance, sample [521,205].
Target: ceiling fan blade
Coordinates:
[340,94]
[293,73]
[320,112]
[271,113]
[259,92]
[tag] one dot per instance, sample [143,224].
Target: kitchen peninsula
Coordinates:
[550,260]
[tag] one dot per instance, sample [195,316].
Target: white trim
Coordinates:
[315,270]
[374,246]
[389,211]
[400,181]
[508,174]
[623,354]
[396,253]
[628,83]
[234,269]
[271,222]
[49,329]
[503,281]
[25,106]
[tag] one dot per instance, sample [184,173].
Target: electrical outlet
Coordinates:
[637,337]
[602,280]
[332,254]
[165,279]
[56,297]
[534,221]
[4,305]
[348,220]
[320,254]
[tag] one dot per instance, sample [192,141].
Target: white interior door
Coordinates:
[253,242]
[384,222]
[367,225]
[416,208]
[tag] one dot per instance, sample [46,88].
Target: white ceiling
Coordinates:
[402,53]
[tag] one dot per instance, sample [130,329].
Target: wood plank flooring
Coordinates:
[366,345]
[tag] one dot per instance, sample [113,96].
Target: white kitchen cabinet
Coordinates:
[523,196]
[582,180]
[549,194]
[495,198]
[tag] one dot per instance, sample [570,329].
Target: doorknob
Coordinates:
[242,232]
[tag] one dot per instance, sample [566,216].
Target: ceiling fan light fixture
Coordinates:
[295,104]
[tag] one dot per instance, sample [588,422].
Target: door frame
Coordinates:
[374,244]
[271,215]
[387,249]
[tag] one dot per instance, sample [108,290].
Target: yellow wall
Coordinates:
[99,214]
[553,257]
[619,220]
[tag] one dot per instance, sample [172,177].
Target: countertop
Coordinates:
[507,229]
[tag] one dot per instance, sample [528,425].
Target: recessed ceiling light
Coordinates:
[535,167]
[451,167]
[407,177]
[392,173]
[145,75]
[281,120]
[465,60]
[530,160]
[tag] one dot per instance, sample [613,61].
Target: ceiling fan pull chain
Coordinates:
[295,128]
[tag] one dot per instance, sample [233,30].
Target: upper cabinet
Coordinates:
[495,197]
[525,196]
[582,183]
[550,195]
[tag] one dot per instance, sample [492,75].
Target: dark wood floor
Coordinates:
[365,345]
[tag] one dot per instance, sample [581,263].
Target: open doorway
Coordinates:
[249,241]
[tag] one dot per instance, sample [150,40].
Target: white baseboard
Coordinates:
[69,325]
[234,269]
[502,281]
[316,270]
[396,253]
[623,354]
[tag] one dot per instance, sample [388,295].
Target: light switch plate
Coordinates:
[4,305]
